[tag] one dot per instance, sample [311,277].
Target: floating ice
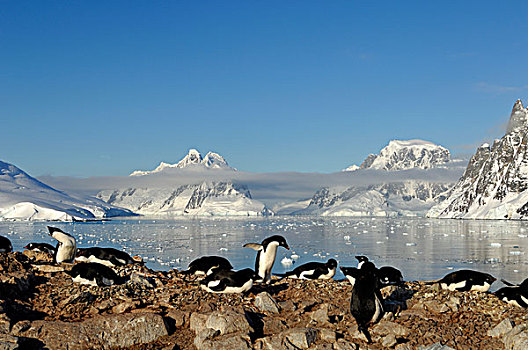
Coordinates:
[495,245]
[286,262]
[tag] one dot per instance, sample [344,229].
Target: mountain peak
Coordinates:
[192,159]
[518,117]
[407,154]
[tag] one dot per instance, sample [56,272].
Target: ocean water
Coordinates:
[423,249]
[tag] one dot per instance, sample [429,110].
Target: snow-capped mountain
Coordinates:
[409,198]
[403,155]
[192,159]
[495,183]
[23,197]
[207,198]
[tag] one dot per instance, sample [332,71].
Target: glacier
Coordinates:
[22,197]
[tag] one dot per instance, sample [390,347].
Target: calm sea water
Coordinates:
[423,249]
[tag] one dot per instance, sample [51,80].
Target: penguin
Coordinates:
[515,295]
[41,247]
[362,260]
[206,265]
[313,271]
[106,256]
[94,274]
[5,245]
[67,246]
[350,273]
[466,280]
[523,284]
[388,275]
[366,301]
[228,281]
[267,251]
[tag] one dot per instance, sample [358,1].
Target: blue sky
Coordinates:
[103,88]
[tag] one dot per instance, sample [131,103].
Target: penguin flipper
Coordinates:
[254,246]
[509,284]
[220,286]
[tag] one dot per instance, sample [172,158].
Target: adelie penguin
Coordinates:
[41,247]
[514,294]
[206,265]
[5,245]
[106,256]
[267,251]
[94,274]
[465,281]
[387,275]
[67,246]
[313,271]
[228,281]
[366,301]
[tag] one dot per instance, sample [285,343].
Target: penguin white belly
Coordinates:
[303,275]
[266,260]
[352,280]
[79,279]
[245,287]
[511,302]
[65,253]
[379,310]
[329,275]
[93,259]
[360,264]
[523,298]
[453,286]
[481,288]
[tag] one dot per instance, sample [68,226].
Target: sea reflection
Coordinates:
[423,249]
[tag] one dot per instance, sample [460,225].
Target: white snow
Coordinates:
[23,197]
[192,159]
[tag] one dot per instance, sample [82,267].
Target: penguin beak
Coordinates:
[26,247]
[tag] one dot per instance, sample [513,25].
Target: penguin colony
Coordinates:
[93,266]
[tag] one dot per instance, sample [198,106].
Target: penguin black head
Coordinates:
[248,274]
[349,271]
[362,258]
[53,230]
[490,279]
[276,238]
[29,246]
[331,263]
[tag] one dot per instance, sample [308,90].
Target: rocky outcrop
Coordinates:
[174,313]
[495,183]
[207,198]
[102,332]
[404,155]
[408,198]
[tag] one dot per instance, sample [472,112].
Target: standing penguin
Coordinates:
[366,301]
[267,251]
[5,245]
[67,246]
[313,271]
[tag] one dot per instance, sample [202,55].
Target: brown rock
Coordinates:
[100,332]
[228,322]
[388,327]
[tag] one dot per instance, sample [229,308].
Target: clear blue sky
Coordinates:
[107,87]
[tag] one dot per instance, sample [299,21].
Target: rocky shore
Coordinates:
[40,307]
